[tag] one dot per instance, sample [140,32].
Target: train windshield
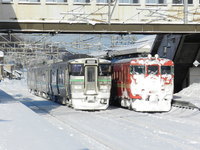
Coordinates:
[166,70]
[152,70]
[104,69]
[77,70]
[137,69]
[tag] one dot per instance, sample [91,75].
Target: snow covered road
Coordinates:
[115,128]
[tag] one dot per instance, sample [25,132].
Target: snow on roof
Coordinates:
[7,70]
[142,45]
[1,54]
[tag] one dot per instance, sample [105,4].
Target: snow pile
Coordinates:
[191,94]
[192,91]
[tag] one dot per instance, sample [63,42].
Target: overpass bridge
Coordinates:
[100,16]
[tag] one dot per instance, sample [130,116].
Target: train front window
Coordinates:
[137,69]
[91,74]
[77,70]
[152,70]
[166,70]
[104,69]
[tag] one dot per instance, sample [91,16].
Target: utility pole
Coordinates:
[109,11]
[185,11]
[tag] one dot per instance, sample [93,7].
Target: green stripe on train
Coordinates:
[77,80]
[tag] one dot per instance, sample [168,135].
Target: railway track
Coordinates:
[66,125]
[184,104]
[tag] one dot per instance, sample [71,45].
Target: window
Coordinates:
[7,1]
[82,1]
[105,1]
[56,1]
[156,1]
[61,77]
[90,74]
[152,70]
[30,1]
[129,1]
[166,70]
[137,69]
[54,76]
[104,70]
[102,1]
[177,1]
[77,70]
[182,2]
[190,1]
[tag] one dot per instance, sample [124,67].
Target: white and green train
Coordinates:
[83,84]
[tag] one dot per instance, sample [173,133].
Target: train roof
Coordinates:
[145,60]
[82,60]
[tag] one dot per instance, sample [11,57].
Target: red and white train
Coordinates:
[144,84]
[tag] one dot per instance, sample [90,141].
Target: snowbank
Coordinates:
[191,94]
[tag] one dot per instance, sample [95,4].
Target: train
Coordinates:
[144,84]
[83,84]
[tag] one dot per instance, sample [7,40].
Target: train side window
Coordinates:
[152,69]
[61,77]
[104,69]
[54,76]
[137,69]
[166,70]
[43,77]
[77,70]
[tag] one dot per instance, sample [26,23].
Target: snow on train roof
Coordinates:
[82,60]
[144,60]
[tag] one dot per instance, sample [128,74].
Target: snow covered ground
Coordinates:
[31,122]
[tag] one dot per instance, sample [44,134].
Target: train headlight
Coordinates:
[103,101]
[103,87]
[77,87]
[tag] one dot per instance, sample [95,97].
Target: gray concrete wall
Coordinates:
[194,75]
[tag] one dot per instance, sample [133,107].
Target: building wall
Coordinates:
[194,75]
[125,11]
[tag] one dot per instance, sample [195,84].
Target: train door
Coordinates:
[90,79]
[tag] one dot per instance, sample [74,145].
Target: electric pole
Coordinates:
[185,11]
